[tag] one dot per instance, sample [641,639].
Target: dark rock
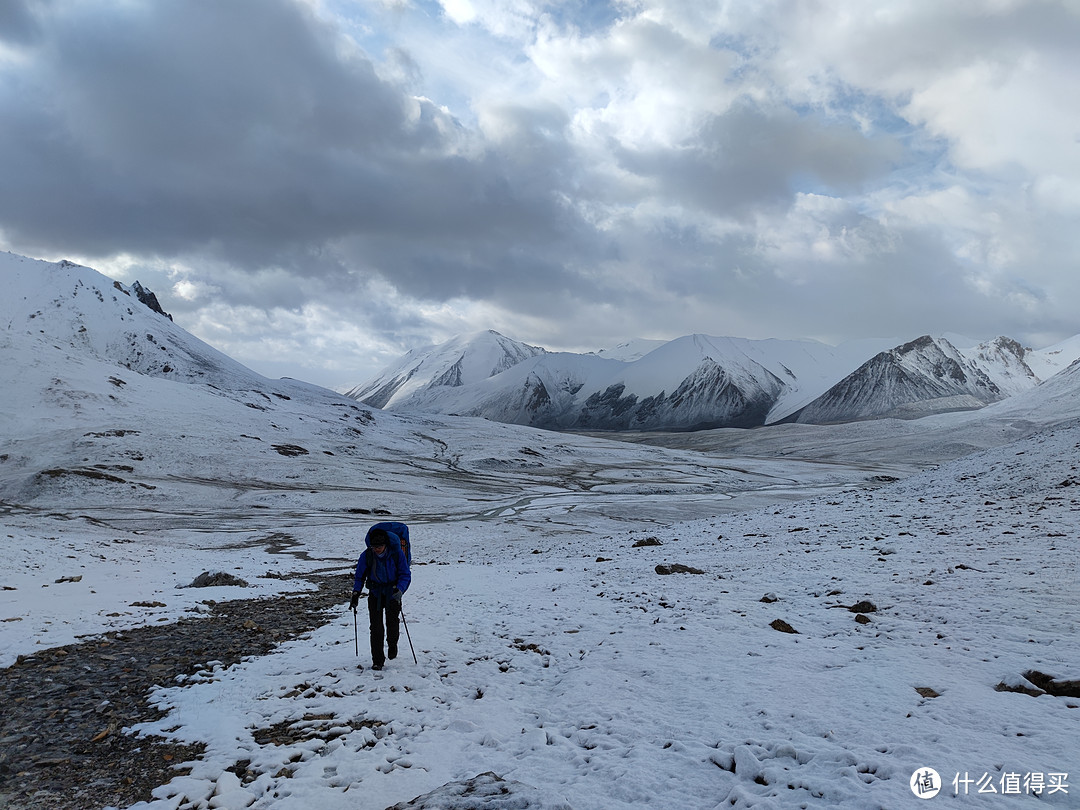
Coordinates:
[782,626]
[149,299]
[678,568]
[289,449]
[1052,686]
[1020,688]
[208,580]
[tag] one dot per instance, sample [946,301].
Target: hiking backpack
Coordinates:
[399,530]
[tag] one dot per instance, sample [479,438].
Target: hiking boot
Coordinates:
[391,653]
[376,667]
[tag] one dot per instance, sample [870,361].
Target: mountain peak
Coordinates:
[462,360]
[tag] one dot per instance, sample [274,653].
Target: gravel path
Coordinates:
[64,709]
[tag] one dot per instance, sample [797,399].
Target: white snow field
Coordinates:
[550,649]
[583,673]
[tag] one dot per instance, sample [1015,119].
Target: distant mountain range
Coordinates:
[698,382]
[80,317]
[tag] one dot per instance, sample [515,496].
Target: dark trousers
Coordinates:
[380,605]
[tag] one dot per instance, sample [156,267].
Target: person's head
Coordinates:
[378,541]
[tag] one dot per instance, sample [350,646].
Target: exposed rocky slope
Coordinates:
[928,375]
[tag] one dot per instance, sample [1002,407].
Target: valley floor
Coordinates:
[554,651]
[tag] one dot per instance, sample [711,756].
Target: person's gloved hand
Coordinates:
[396,596]
[355,600]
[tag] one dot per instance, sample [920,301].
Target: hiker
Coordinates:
[385,569]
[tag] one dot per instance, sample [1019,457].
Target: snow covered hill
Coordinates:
[698,382]
[82,310]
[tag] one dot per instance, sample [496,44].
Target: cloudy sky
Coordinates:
[316,186]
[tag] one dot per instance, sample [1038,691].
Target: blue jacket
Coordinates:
[383,574]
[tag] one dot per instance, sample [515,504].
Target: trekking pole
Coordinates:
[409,637]
[356,638]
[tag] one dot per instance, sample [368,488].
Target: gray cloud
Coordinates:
[747,157]
[788,170]
[18,24]
[245,127]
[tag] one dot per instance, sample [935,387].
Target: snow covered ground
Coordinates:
[550,649]
[562,660]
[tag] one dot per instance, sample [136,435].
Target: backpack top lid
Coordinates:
[398,532]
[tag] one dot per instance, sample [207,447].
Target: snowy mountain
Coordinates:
[907,444]
[691,382]
[83,311]
[699,382]
[463,360]
[927,375]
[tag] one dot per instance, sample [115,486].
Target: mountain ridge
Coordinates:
[689,383]
[702,382]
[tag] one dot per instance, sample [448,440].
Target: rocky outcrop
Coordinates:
[149,299]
